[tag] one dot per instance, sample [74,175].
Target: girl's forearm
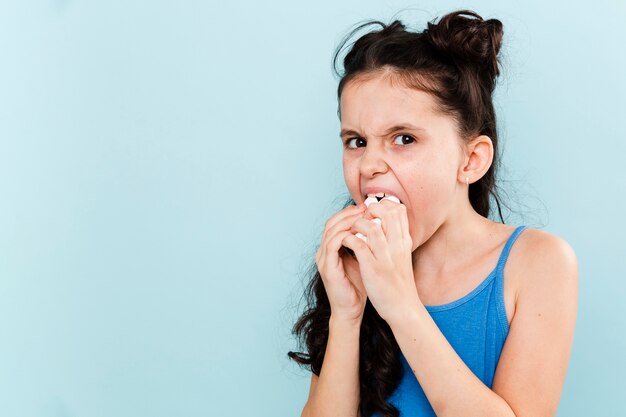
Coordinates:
[337,391]
[449,384]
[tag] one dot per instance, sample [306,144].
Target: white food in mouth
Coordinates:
[379,196]
[370,200]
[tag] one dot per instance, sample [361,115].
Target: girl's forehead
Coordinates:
[379,115]
[376,97]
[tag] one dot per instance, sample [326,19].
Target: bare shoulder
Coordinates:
[542,255]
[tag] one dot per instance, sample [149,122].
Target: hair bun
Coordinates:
[467,41]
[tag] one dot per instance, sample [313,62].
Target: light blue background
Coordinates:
[166,169]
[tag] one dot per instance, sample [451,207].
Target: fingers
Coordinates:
[393,232]
[335,234]
[335,242]
[363,250]
[372,231]
[338,217]
[343,224]
[340,221]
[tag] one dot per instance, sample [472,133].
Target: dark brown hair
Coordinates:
[455,60]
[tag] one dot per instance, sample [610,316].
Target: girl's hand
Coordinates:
[385,260]
[340,271]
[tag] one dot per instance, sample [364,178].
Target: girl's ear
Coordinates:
[478,159]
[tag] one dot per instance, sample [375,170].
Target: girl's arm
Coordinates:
[337,391]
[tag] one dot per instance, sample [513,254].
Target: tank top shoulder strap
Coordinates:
[507,248]
[499,299]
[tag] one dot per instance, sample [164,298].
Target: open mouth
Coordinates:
[378,198]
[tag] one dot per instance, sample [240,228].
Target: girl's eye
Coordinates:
[347,141]
[410,138]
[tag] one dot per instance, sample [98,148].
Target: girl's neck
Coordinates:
[456,243]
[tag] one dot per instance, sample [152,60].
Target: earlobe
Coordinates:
[478,158]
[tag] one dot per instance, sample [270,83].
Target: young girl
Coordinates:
[435,309]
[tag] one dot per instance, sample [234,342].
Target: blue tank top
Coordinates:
[475,326]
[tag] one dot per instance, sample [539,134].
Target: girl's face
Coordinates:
[420,162]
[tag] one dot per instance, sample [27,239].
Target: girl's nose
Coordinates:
[372,162]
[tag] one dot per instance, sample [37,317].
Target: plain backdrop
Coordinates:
[166,170]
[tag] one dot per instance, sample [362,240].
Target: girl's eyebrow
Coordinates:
[349,132]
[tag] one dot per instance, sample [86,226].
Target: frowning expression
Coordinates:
[394,138]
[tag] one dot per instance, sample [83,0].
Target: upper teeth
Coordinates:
[378,197]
